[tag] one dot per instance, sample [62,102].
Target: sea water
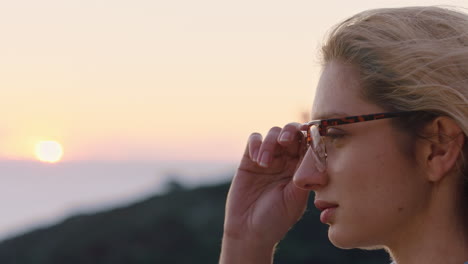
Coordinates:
[34,194]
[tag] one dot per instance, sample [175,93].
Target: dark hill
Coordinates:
[182,226]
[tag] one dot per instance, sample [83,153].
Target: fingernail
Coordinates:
[286,136]
[255,156]
[265,159]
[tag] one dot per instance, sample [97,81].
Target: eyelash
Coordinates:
[335,135]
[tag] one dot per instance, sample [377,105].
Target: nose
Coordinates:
[308,176]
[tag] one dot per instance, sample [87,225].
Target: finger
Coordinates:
[291,139]
[251,151]
[253,146]
[303,127]
[268,147]
[289,133]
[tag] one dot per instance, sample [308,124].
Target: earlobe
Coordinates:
[445,140]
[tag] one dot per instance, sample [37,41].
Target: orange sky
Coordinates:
[148,80]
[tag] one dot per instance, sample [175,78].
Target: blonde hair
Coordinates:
[409,59]
[413,58]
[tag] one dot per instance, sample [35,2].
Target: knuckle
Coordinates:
[291,126]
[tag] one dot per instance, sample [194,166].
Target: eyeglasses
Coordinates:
[316,131]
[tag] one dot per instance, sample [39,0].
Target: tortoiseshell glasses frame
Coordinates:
[316,130]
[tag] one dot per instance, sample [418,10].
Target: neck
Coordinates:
[442,246]
[438,235]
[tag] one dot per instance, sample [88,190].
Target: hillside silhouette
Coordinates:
[180,226]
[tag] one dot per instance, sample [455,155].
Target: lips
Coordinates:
[328,210]
[323,205]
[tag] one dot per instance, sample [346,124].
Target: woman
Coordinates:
[386,160]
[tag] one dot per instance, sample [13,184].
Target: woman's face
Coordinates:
[377,186]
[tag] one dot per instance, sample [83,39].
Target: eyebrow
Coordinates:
[329,115]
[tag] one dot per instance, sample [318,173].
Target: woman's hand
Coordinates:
[263,202]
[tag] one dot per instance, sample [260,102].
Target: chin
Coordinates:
[348,238]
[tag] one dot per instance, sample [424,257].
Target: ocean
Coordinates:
[34,194]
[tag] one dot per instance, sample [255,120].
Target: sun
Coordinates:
[49,151]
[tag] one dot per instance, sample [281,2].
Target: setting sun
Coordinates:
[48,151]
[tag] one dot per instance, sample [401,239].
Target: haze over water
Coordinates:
[34,194]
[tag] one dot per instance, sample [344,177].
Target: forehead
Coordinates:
[338,93]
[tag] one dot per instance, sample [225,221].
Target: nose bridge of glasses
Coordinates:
[315,153]
[316,137]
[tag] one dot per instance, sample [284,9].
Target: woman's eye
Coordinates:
[334,133]
[335,137]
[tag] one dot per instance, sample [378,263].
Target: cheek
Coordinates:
[355,157]
[377,173]
[376,192]
[366,155]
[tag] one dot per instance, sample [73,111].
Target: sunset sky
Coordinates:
[159,80]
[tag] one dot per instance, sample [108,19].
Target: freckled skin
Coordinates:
[380,192]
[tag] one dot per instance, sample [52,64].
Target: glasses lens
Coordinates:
[318,148]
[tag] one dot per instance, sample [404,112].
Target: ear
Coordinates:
[442,148]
